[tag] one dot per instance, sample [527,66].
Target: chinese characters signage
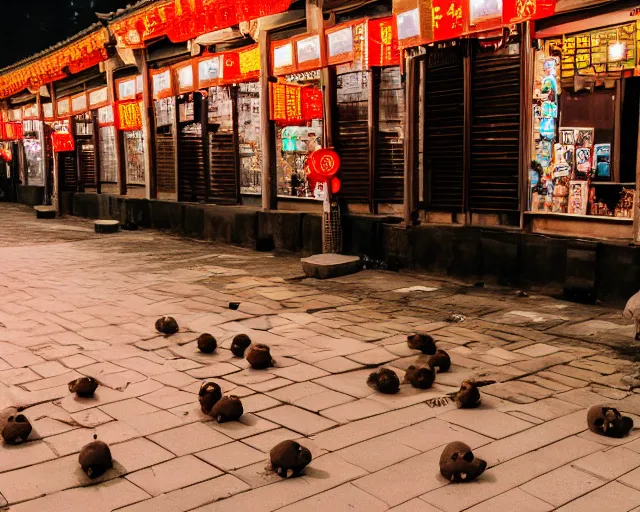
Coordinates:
[383,43]
[129,116]
[291,104]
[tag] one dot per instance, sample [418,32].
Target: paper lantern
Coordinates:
[324,164]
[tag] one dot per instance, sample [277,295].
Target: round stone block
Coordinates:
[106,226]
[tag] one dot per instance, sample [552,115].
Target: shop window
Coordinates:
[352,91]
[585,115]
[34,151]
[389,180]
[249,138]
[134,157]
[295,141]
[108,163]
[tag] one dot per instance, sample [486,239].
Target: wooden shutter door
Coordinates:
[389,173]
[444,129]
[494,176]
[353,135]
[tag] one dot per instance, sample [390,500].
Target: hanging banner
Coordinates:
[450,19]
[517,11]
[249,61]
[311,103]
[77,56]
[181,20]
[11,131]
[295,104]
[62,142]
[129,116]
[383,42]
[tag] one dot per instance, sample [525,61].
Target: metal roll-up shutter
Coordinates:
[87,162]
[353,135]
[165,163]
[222,154]
[68,171]
[444,129]
[108,162]
[389,174]
[191,164]
[495,130]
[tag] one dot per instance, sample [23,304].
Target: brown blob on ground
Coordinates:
[84,387]
[422,342]
[228,408]
[239,344]
[16,430]
[167,325]
[468,396]
[95,459]
[289,458]
[607,421]
[209,394]
[459,464]
[259,357]
[207,344]
[384,380]
[421,377]
[440,360]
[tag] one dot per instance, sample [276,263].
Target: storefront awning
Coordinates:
[181,20]
[588,23]
[55,64]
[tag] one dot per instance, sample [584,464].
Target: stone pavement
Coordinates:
[75,303]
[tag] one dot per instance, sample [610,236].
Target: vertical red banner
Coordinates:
[383,42]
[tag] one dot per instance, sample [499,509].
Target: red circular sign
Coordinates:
[324,164]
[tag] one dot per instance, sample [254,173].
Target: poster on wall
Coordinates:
[578,197]
[602,160]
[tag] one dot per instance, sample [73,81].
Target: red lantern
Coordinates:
[324,164]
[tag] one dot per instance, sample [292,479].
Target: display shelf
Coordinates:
[611,184]
[569,216]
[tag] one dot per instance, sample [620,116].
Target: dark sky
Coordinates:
[29,26]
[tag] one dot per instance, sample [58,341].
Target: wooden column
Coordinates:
[267,128]
[527,64]
[410,140]
[316,24]
[636,195]
[466,143]
[372,125]
[55,169]
[122,173]
[150,181]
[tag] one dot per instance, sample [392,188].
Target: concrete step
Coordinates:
[326,266]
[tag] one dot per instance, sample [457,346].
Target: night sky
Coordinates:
[33,25]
